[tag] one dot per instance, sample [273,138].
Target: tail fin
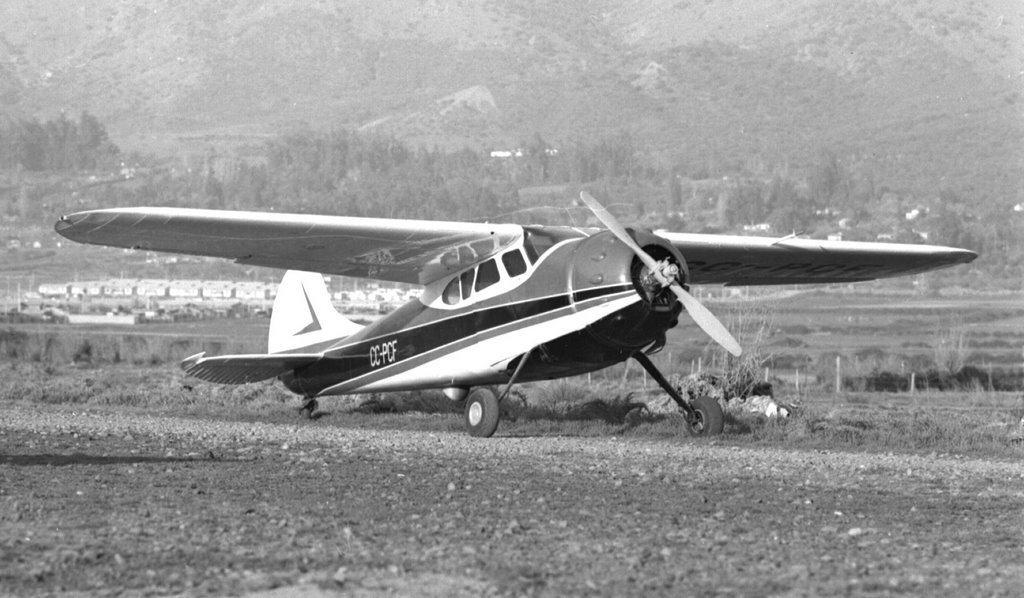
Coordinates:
[304,318]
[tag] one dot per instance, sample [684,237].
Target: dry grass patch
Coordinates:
[975,423]
[913,428]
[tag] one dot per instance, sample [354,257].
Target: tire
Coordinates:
[309,408]
[482,412]
[708,418]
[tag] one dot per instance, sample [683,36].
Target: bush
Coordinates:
[423,401]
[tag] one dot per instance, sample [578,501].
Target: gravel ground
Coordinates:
[124,503]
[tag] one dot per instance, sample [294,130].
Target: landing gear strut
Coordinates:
[483,406]
[703,414]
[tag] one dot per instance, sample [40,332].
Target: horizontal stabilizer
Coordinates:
[242,369]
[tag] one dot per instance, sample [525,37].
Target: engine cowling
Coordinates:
[602,261]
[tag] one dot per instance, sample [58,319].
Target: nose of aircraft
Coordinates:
[701,315]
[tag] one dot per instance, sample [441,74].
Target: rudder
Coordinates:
[303,317]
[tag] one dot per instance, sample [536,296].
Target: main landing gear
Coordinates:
[482,412]
[309,407]
[704,415]
[483,405]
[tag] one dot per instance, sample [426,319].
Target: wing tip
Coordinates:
[963,256]
[64,225]
[191,361]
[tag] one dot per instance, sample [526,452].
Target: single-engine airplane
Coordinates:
[501,303]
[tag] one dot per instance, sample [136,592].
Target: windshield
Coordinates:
[538,240]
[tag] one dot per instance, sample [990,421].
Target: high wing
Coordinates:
[413,251]
[422,251]
[738,260]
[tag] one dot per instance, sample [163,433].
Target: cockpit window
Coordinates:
[514,263]
[536,242]
[487,274]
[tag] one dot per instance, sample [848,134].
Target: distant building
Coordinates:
[53,290]
[151,288]
[916,213]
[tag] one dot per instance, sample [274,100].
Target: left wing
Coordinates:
[739,260]
[413,251]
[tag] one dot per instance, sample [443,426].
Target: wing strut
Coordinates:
[515,375]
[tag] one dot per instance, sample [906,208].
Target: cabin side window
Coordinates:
[467,282]
[486,275]
[514,262]
[451,292]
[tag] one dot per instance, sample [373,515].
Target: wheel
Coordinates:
[308,408]
[708,419]
[482,412]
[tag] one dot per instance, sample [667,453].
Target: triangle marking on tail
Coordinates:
[313,326]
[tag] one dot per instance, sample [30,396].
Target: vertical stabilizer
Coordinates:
[304,318]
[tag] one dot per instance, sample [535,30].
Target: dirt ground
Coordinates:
[126,503]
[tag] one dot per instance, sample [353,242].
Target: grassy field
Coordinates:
[871,332]
[798,330]
[111,367]
[977,423]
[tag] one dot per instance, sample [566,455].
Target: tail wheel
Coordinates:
[482,412]
[707,418]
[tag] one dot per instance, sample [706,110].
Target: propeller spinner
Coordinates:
[666,274]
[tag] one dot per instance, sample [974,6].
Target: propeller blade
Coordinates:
[612,224]
[707,321]
[701,315]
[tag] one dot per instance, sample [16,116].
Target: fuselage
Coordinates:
[572,300]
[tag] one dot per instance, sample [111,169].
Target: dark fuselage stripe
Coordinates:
[342,366]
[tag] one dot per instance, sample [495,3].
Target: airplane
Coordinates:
[501,303]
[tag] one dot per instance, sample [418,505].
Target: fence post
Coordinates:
[839,374]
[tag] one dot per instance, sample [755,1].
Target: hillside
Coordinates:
[924,95]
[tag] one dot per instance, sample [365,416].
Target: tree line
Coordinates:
[369,174]
[59,144]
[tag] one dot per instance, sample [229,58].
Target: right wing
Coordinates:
[395,249]
[739,260]
[242,369]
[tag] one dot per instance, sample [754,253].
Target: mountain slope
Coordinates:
[925,95]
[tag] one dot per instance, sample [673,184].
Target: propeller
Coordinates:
[666,273]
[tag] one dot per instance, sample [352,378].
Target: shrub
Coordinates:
[83,354]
